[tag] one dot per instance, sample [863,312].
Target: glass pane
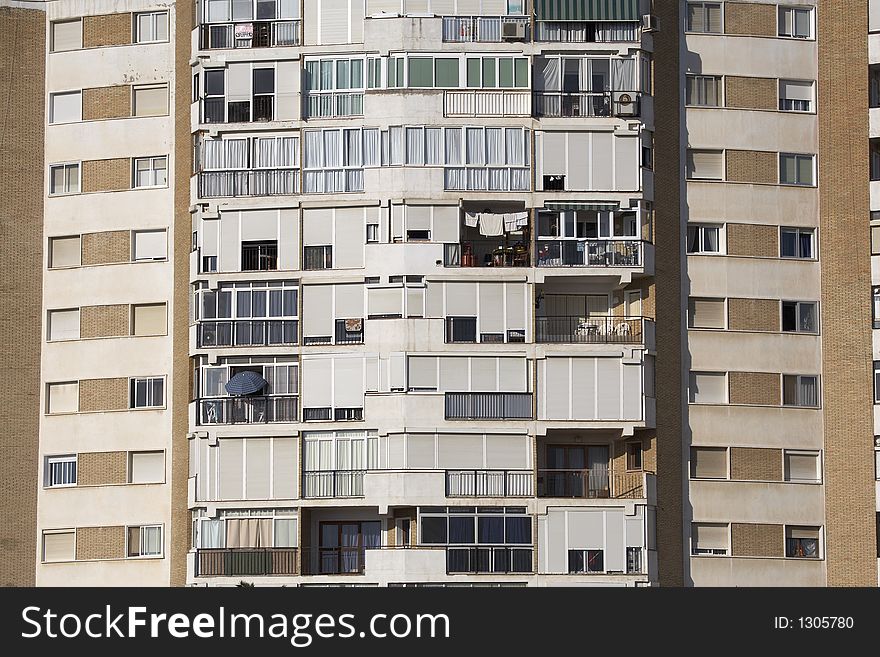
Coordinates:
[807,317]
[329,535]
[488,72]
[214,83]
[420,72]
[433,530]
[343,69]
[491,529]
[505,72]
[805,241]
[521,72]
[58,180]
[461,530]
[788,244]
[446,72]
[473,72]
[162,27]
[805,170]
[710,239]
[789,316]
[264,80]
[357,74]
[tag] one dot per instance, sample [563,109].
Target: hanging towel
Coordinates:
[470,219]
[509,222]
[522,219]
[491,224]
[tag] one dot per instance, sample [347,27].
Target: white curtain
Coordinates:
[455,179]
[415,146]
[313,182]
[398,145]
[453,146]
[352,157]
[519,180]
[477,179]
[433,146]
[332,150]
[214,154]
[498,180]
[548,78]
[623,74]
[212,534]
[515,146]
[372,147]
[476,147]
[585,75]
[314,151]
[495,146]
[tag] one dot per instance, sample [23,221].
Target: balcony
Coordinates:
[248,410]
[259,255]
[486,103]
[587,31]
[590,253]
[488,405]
[346,331]
[244,182]
[334,104]
[485,29]
[259,34]
[502,559]
[590,330]
[246,561]
[596,483]
[333,483]
[247,333]
[554,104]
[489,483]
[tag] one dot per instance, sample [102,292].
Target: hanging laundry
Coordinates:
[491,224]
[509,222]
[471,219]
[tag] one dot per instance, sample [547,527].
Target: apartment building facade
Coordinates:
[445,292]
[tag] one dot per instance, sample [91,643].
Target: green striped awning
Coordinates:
[598,206]
[587,10]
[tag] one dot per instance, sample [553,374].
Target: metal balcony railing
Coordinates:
[333,483]
[247,333]
[332,104]
[259,256]
[506,102]
[592,329]
[486,559]
[248,410]
[489,483]
[246,561]
[590,253]
[590,484]
[488,405]
[248,182]
[489,29]
[253,34]
[586,103]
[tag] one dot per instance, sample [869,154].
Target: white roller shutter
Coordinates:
[632,391]
[333,19]
[422,372]
[415,302]
[484,374]
[553,154]
[556,390]
[238,82]
[287,85]
[66,252]
[386,301]
[67,35]
[626,163]
[349,244]
[418,217]
[147,467]
[709,462]
[706,313]
[507,451]
[150,319]
[420,451]
[710,536]
[516,306]
[796,90]
[445,224]
[258,467]
[63,397]
[708,387]
[231,476]
[64,324]
[65,107]
[601,154]
[802,466]
[317,227]
[491,307]
[705,165]
[579,164]
[59,546]
[284,473]
[259,224]
[453,373]
[349,301]
[151,101]
[608,373]
[459,450]
[512,374]
[396,451]
[317,319]
[316,382]
[152,244]
[583,388]
[348,382]
[461,299]
[586,530]
[434,299]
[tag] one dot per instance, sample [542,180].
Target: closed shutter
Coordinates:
[632,391]
[586,529]
[147,467]
[434,299]
[385,301]
[151,101]
[512,374]
[316,383]
[63,397]
[422,372]
[803,532]
[706,313]
[238,82]
[66,108]
[709,462]
[418,217]
[710,536]
[453,373]
[66,252]
[258,467]
[516,306]
[601,154]
[317,316]
[445,225]
[379,6]
[415,302]
[801,466]
[348,382]
[553,154]
[461,299]
[420,451]
[396,222]
[67,35]
[349,301]
[556,392]
[349,244]
[608,372]
[259,224]
[150,319]
[284,473]
[317,227]
[231,477]
[582,157]
[484,374]
[583,388]
[708,387]
[626,162]
[507,451]
[287,109]
[705,165]
[64,324]
[152,244]
[59,546]
[873,15]
[491,307]
[459,450]
[396,451]
[796,90]
[334,21]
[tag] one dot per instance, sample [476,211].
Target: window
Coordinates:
[62,397]
[214,108]
[151,27]
[147,392]
[421,73]
[802,467]
[151,171]
[709,539]
[877,382]
[633,560]
[63,324]
[586,561]
[708,463]
[59,545]
[372,233]
[875,306]
[264,94]
[63,179]
[634,456]
[800,390]
[149,319]
[704,239]
[446,72]
[704,17]
[795,22]
[707,388]
[67,35]
[705,165]
[259,255]
[802,542]
[65,107]
[799,316]
[64,252]
[875,240]
[150,101]
[797,243]
[144,541]
[149,245]
[795,169]
[60,470]
[795,96]
[317,257]
[461,329]
[703,91]
[146,467]
[492,72]
[706,313]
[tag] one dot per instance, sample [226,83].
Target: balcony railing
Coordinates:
[489,560]
[590,484]
[586,104]
[488,405]
[592,330]
[247,333]
[253,182]
[333,483]
[246,561]
[486,103]
[489,483]
[467,254]
[259,256]
[331,104]
[587,31]
[589,253]
[461,29]
[259,34]
[248,410]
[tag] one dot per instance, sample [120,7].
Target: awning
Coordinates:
[245,383]
[598,206]
[587,10]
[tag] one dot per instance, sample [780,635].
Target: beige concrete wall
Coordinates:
[101,468]
[107,30]
[106,102]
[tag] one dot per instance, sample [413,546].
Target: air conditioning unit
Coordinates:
[650,23]
[513,30]
[626,103]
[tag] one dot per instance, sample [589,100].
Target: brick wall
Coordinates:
[106,30]
[753,240]
[750,19]
[101,468]
[755,464]
[106,175]
[103,395]
[100,543]
[752,167]
[751,93]
[104,321]
[748,540]
[753,314]
[106,247]
[754,388]
[106,102]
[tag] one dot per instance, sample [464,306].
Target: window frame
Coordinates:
[51,106]
[799,403]
[782,100]
[45,532]
[794,10]
[701,228]
[797,157]
[719,90]
[639,446]
[52,25]
[59,458]
[149,87]
[803,452]
[688,28]
[151,159]
[141,540]
[153,16]
[799,231]
[149,380]
[710,552]
[716,448]
[75,165]
[798,304]
[820,554]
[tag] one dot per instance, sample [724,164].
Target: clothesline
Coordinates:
[493,224]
